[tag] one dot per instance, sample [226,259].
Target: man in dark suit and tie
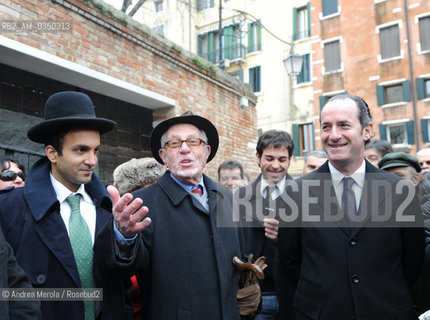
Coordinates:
[52,223]
[359,246]
[274,151]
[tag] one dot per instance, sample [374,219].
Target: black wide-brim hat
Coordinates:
[65,111]
[200,122]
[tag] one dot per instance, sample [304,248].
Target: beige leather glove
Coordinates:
[249,293]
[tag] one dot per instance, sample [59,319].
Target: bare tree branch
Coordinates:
[136,7]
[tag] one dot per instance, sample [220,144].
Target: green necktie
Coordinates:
[80,239]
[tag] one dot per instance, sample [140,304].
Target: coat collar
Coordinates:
[177,194]
[38,183]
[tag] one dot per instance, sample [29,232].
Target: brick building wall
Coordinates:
[357,25]
[106,41]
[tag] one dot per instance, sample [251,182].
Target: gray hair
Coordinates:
[316,153]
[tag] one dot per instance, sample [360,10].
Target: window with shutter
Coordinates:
[332,56]
[301,27]
[397,133]
[329,7]
[305,74]
[254,36]
[424,25]
[255,78]
[390,41]
[393,92]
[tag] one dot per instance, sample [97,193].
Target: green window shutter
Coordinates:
[294,24]
[420,88]
[211,47]
[249,37]
[199,45]
[228,43]
[212,3]
[257,79]
[252,78]
[406,93]
[380,94]
[308,11]
[323,101]
[259,132]
[410,132]
[425,130]
[383,131]
[296,140]
[258,34]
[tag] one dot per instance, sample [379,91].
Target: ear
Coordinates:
[162,155]
[258,158]
[368,132]
[416,178]
[51,153]
[208,152]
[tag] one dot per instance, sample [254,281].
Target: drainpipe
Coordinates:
[411,75]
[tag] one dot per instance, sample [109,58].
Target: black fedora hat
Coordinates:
[200,122]
[68,110]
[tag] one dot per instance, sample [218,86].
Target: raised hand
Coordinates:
[128,213]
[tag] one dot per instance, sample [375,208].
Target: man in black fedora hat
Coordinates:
[53,222]
[182,258]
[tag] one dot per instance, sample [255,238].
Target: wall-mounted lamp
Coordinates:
[293,63]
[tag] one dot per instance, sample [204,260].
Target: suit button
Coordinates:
[355,278]
[41,279]
[353,242]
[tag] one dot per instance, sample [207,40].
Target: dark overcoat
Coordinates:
[254,231]
[12,276]
[183,260]
[34,228]
[362,272]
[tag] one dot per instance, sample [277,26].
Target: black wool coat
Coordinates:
[183,260]
[362,272]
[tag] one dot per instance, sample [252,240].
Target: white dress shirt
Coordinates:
[357,188]
[280,187]
[88,209]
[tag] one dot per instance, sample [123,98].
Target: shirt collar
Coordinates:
[63,193]
[188,187]
[280,185]
[358,175]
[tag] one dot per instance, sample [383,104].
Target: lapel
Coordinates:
[371,199]
[177,194]
[367,201]
[322,175]
[46,214]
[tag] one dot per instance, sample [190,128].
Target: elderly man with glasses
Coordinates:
[182,258]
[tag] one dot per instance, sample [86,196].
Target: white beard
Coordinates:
[189,173]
